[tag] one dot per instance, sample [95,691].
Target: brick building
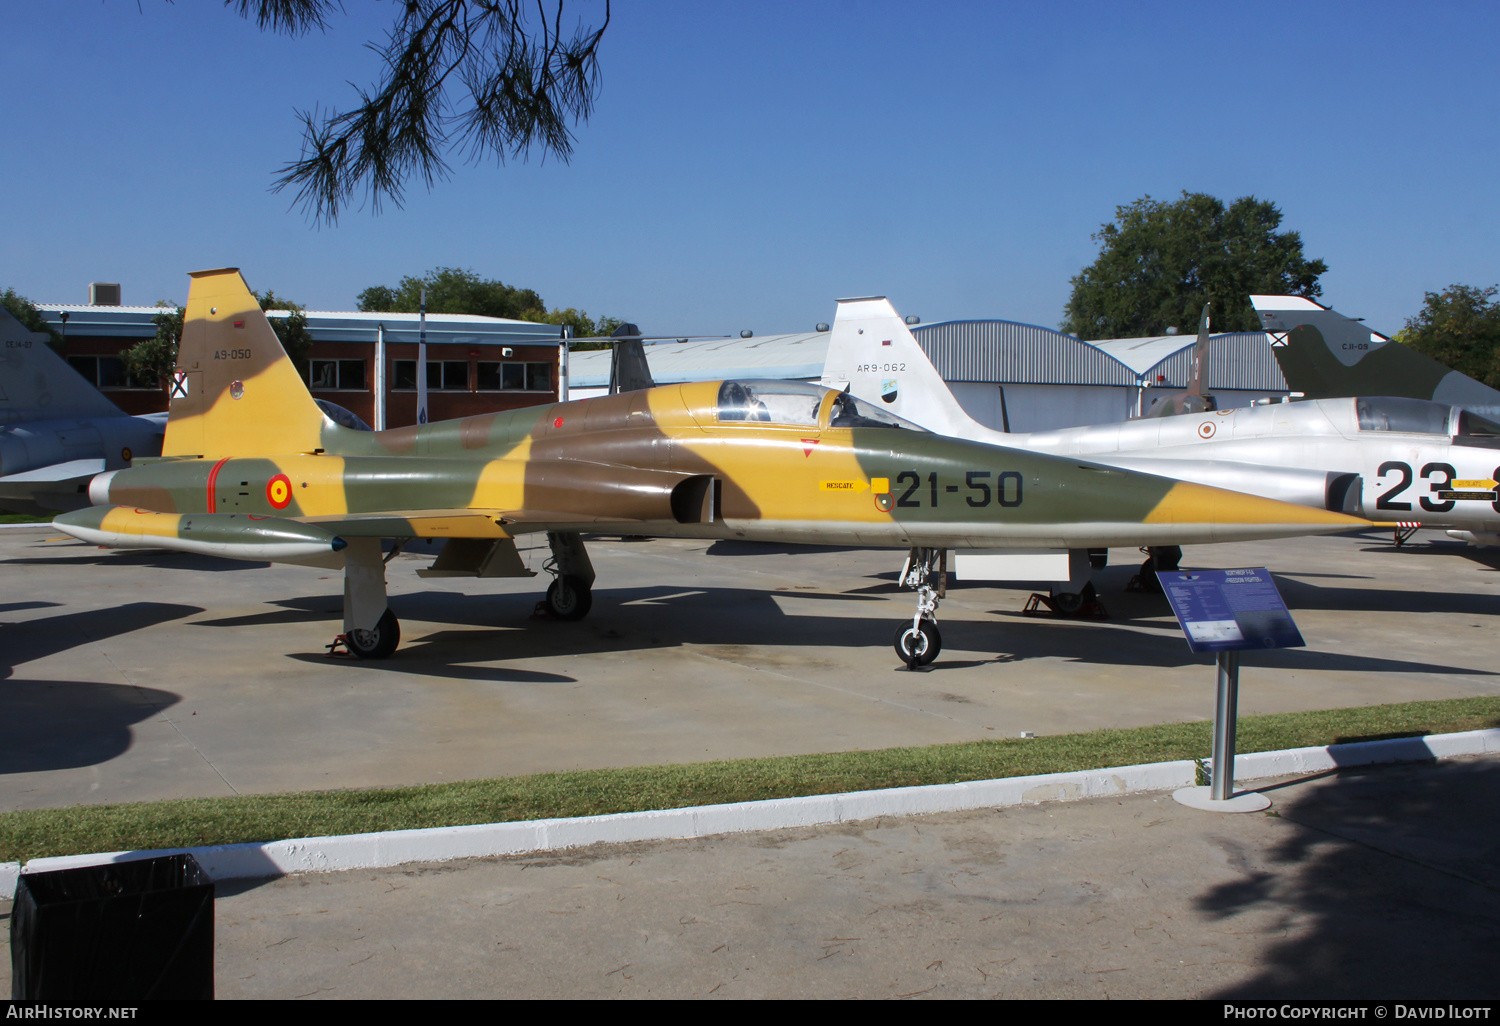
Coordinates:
[474,364]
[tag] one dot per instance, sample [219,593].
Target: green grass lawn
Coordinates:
[205,821]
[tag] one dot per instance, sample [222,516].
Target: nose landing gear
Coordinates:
[919,642]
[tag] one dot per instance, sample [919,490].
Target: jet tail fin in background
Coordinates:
[873,353]
[1325,355]
[1192,399]
[235,392]
[628,369]
[37,384]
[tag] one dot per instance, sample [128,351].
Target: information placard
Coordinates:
[1227,610]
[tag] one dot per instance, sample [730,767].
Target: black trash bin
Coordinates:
[130,931]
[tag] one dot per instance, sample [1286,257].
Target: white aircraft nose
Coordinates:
[99,488]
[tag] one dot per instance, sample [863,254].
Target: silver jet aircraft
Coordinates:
[56,430]
[1393,460]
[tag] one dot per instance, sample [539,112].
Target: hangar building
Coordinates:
[1006,375]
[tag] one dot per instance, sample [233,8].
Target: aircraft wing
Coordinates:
[451,523]
[44,490]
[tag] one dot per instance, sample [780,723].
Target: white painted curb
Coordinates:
[441,844]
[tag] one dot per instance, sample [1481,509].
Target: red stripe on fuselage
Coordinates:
[213,478]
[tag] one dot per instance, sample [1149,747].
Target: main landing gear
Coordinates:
[371,630]
[378,643]
[919,642]
[1164,558]
[571,594]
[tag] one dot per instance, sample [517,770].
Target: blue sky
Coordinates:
[749,163]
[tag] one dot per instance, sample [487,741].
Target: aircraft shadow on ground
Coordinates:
[15,607]
[735,547]
[64,724]
[1488,557]
[1399,877]
[162,559]
[1112,644]
[23,641]
[641,619]
[622,620]
[50,724]
[1299,594]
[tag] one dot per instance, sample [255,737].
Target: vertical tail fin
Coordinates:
[873,353]
[235,392]
[1191,399]
[37,384]
[628,369]
[1325,355]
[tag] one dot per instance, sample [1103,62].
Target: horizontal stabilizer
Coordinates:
[69,471]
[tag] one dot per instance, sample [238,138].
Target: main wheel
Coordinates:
[918,646]
[1070,602]
[569,598]
[378,643]
[1149,581]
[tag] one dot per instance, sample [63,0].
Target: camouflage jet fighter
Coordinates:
[1402,462]
[1324,354]
[56,430]
[252,470]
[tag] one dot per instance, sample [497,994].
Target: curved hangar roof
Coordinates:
[1002,352]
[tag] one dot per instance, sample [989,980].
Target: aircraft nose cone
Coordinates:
[1200,504]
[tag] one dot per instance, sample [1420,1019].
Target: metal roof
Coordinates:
[1238,360]
[323,325]
[1008,352]
[796,356]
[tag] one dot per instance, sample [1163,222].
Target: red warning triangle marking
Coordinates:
[807,445]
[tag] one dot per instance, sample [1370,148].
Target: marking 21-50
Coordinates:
[1006,489]
[1439,478]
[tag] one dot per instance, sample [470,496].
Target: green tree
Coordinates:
[23,310]
[1460,327]
[521,72]
[1160,262]
[454,290]
[153,358]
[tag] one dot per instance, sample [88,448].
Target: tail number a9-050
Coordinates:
[980,492]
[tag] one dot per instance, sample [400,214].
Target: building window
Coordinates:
[107,372]
[515,377]
[337,375]
[442,376]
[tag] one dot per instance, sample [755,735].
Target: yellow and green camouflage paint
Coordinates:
[245,440]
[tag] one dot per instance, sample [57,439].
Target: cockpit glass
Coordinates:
[1474,426]
[1419,416]
[794,403]
[849,412]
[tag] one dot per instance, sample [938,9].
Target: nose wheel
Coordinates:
[918,642]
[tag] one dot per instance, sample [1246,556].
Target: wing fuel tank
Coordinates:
[233,535]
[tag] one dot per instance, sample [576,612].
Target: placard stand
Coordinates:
[1224,611]
[1219,796]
